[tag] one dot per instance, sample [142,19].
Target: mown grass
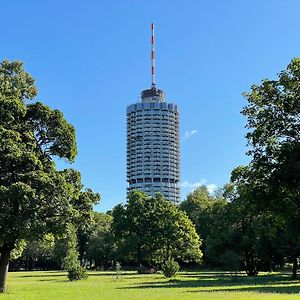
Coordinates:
[187,285]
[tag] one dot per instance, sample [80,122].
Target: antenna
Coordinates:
[152,57]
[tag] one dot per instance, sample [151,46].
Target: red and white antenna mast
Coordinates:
[152,57]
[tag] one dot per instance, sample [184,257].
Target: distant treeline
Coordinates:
[234,236]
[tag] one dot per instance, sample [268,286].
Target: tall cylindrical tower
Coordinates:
[153,155]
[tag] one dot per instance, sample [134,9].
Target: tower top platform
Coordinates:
[153,95]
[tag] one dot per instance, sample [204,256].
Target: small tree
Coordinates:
[77,272]
[170,268]
[70,261]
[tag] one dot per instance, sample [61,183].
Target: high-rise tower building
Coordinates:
[153,155]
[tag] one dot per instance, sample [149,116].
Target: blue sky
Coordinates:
[92,58]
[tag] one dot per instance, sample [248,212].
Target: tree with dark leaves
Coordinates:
[35,198]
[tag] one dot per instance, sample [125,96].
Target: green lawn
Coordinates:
[187,285]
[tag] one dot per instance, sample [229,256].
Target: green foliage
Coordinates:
[258,227]
[197,202]
[15,83]
[151,230]
[39,251]
[274,134]
[249,236]
[77,273]
[29,182]
[18,250]
[54,135]
[230,261]
[100,247]
[205,211]
[170,268]
[70,261]
[35,198]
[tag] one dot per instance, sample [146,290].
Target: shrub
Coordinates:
[170,268]
[144,270]
[77,273]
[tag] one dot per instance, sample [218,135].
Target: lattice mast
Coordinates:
[152,57]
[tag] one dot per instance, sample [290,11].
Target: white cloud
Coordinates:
[193,185]
[212,188]
[188,134]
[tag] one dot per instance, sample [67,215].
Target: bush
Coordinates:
[77,273]
[170,268]
[144,270]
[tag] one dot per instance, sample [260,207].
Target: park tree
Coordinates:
[62,249]
[196,203]
[249,239]
[152,230]
[273,115]
[35,198]
[204,210]
[100,250]
[85,221]
[71,256]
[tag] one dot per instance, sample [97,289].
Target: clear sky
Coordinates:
[92,58]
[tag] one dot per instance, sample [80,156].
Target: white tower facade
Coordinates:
[153,148]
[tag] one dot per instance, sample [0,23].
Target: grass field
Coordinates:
[187,285]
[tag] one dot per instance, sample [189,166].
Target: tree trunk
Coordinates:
[168,256]
[295,267]
[251,267]
[4,260]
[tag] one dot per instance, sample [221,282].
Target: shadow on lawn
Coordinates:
[48,274]
[42,275]
[54,280]
[288,289]
[218,282]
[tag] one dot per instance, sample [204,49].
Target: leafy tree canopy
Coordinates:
[152,230]
[35,198]
[273,114]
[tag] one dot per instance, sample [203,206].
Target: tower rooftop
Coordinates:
[153,95]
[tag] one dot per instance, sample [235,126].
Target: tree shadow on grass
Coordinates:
[54,280]
[63,273]
[49,275]
[41,275]
[287,289]
[274,283]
